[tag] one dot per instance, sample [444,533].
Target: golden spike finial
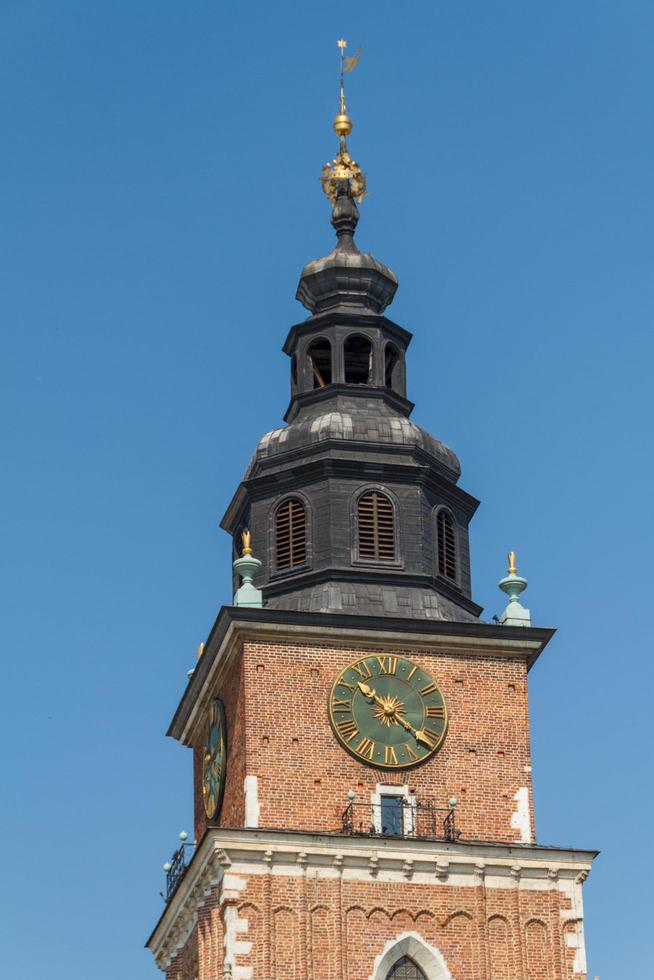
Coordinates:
[246,538]
[513,568]
[200,649]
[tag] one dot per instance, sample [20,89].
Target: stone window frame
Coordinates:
[456,581]
[279,573]
[394,563]
[430,959]
[385,789]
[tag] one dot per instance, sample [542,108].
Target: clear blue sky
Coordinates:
[159,196]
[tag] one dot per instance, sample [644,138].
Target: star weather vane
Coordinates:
[343,167]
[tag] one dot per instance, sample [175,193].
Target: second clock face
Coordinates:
[388,711]
[214,759]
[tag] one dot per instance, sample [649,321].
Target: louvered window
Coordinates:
[376,527]
[446,545]
[290,534]
[406,969]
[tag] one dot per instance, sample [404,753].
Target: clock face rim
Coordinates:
[220,721]
[427,679]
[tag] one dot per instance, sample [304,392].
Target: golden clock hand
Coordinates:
[368,692]
[418,733]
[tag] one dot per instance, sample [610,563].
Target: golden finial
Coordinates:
[343,167]
[246,538]
[200,649]
[513,568]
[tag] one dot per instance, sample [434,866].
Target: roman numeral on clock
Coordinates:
[366,747]
[348,730]
[435,711]
[363,670]
[428,690]
[390,756]
[338,705]
[431,737]
[387,665]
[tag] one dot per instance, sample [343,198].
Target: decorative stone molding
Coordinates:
[442,869]
[226,858]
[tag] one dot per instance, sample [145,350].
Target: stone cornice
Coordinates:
[226,853]
[233,625]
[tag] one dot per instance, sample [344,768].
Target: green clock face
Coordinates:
[388,712]
[214,759]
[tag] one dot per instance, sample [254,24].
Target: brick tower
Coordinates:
[363,800]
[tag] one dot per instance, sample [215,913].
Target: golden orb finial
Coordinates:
[342,125]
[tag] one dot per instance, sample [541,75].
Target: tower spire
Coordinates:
[343,176]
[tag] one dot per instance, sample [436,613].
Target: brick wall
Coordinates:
[276,701]
[313,928]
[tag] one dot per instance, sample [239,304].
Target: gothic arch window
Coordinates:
[405,969]
[446,544]
[319,356]
[392,367]
[357,359]
[376,527]
[290,534]
[409,951]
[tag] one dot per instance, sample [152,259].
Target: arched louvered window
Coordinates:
[446,544]
[290,534]
[406,969]
[376,527]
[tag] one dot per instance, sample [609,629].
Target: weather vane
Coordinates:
[343,170]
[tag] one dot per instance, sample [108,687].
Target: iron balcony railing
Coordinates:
[399,817]
[176,868]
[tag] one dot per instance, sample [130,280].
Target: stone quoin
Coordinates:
[360,735]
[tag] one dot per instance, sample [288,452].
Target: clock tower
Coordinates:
[360,735]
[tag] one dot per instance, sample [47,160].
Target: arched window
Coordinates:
[405,969]
[446,544]
[357,356]
[320,362]
[392,367]
[290,534]
[376,517]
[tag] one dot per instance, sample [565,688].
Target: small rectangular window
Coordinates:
[392,808]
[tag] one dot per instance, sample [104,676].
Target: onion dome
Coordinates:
[346,277]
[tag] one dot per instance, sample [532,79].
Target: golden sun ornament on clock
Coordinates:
[214,759]
[388,711]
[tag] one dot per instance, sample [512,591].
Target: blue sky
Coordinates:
[159,196]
